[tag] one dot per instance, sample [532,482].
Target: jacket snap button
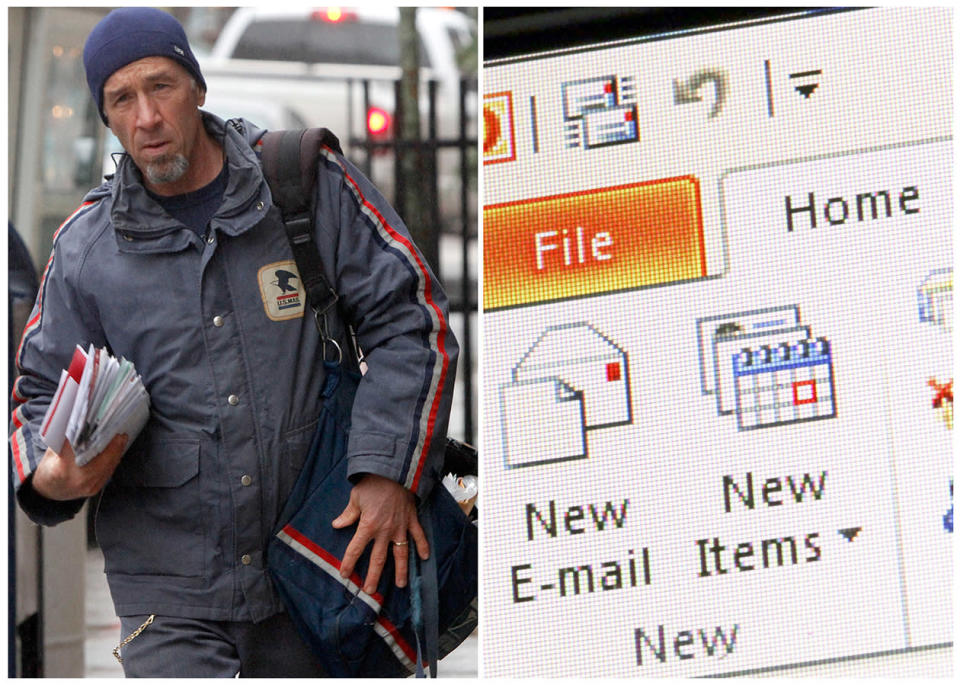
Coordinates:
[246,480]
[260,206]
[210,239]
[233,400]
[218,321]
[245,560]
[127,238]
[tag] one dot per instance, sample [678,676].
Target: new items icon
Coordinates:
[766,368]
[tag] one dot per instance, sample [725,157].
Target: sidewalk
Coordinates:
[102,625]
[103,632]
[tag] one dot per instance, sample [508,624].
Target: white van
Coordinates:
[315,61]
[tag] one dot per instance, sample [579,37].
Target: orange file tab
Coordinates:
[596,241]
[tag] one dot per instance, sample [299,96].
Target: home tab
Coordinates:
[590,242]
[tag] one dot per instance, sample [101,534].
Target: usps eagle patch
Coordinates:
[282,290]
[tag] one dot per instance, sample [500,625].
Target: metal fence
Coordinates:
[451,208]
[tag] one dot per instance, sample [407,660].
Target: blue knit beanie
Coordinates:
[131,33]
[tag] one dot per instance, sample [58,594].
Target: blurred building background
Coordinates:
[266,66]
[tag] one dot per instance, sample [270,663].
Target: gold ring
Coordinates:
[401,543]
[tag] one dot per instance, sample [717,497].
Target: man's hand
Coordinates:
[387,515]
[58,477]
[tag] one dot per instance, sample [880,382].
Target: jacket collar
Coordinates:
[142,224]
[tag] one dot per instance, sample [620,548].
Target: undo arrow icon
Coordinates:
[684,93]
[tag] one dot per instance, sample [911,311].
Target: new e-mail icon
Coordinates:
[569,365]
[588,361]
[542,422]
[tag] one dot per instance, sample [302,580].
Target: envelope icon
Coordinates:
[584,359]
[542,422]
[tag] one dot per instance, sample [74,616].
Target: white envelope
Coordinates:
[542,422]
[130,416]
[587,361]
[79,412]
[54,427]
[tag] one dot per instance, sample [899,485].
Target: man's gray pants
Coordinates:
[173,647]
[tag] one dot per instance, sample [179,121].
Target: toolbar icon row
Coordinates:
[601,111]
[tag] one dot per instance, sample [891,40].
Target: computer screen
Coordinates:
[717,351]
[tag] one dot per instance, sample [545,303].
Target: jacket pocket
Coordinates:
[151,515]
[294,447]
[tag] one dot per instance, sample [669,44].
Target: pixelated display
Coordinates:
[717,338]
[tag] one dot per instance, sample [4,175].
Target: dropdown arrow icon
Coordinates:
[807,89]
[850,533]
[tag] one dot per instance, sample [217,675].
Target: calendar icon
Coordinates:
[788,383]
[768,369]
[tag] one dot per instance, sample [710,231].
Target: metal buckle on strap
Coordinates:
[321,319]
[328,305]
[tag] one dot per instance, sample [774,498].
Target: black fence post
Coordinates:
[431,170]
[367,141]
[400,181]
[467,298]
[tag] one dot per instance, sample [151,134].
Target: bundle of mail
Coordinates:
[98,398]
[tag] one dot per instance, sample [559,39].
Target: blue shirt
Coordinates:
[195,209]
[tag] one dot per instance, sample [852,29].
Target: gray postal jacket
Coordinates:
[230,356]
